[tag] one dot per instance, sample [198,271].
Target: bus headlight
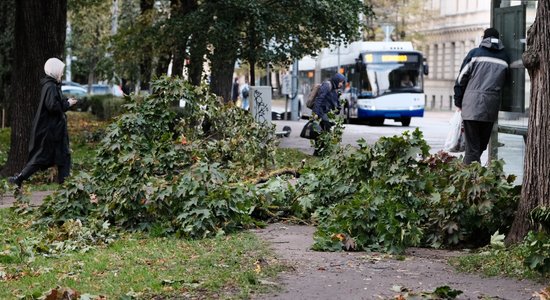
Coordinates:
[368,105]
[415,107]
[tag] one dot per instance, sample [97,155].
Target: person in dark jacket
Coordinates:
[327,100]
[235,91]
[49,140]
[477,92]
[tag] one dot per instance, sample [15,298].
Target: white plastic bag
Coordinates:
[455,138]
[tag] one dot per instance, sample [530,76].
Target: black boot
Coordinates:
[16,180]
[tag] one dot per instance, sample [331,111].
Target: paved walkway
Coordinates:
[36,198]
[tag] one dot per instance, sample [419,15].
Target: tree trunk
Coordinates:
[221,80]
[278,83]
[37,38]
[181,9]
[252,72]
[536,181]
[196,58]
[146,63]
[162,64]
[7,21]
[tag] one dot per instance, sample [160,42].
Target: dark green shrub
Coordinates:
[394,195]
[537,255]
[106,107]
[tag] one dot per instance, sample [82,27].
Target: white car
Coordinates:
[73,91]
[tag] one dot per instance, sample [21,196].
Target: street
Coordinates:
[434,126]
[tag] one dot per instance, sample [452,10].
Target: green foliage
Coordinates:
[394,195]
[134,266]
[490,261]
[328,142]
[154,171]
[475,202]
[4,144]
[90,38]
[541,216]
[106,107]
[537,256]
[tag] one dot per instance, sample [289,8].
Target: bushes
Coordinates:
[105,107]
[395,195]
[181,176]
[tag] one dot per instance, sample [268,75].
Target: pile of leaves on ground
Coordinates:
[394,195]
[170,170]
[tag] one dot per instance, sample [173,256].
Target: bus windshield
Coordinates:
[380,78]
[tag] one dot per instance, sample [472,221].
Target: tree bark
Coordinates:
[146,63]
[252,72]
[196,58]
[7,21]
[181,9]
[40,28]
[223,65]
[536,181]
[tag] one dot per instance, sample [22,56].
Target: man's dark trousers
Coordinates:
[477,135]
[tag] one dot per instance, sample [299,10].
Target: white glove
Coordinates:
[72,101]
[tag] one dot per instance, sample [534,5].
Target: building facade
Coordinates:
[451,30]
[454,28]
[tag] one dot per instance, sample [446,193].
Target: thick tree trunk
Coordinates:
[146,63]
[181,9]
[39,34]
[196,58]
[221,80]
[7,21]
[536,181]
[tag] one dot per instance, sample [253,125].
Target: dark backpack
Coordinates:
[245,92]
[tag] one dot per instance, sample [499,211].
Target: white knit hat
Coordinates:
[54,68]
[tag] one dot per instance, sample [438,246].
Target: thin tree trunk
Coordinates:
[278,83]
[252,72]
[162,64]
[536,181]
[36,39]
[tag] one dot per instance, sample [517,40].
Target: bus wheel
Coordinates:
[406,121]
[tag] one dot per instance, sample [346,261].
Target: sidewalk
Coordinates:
[370,275]
[36,198]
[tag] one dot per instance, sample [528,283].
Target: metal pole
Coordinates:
[338,70]
[268,75]
[294,92]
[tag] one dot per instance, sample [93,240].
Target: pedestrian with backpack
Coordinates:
[245,93]
[327,100]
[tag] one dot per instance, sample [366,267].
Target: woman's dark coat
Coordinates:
[49,141]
